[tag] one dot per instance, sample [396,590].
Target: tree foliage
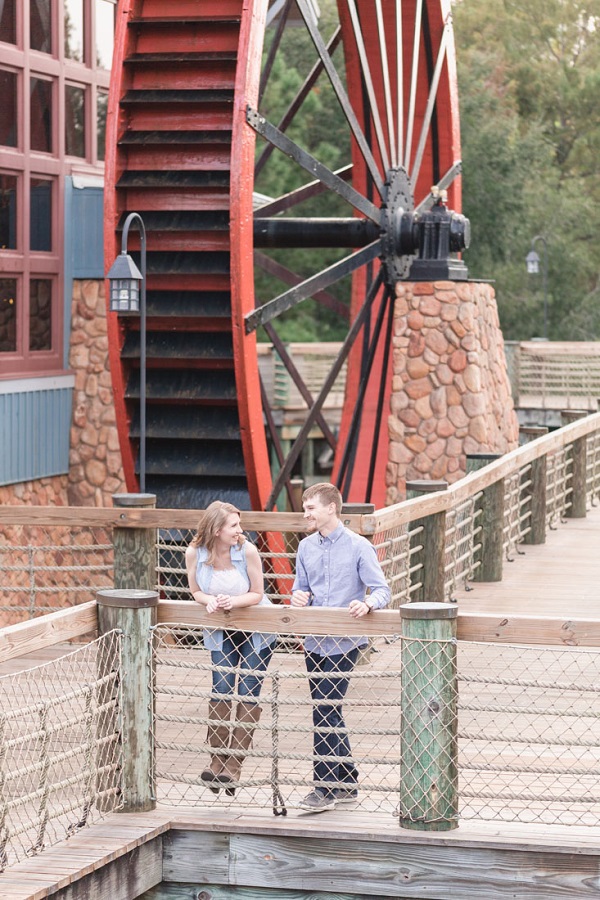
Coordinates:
[528,87]
[529,82]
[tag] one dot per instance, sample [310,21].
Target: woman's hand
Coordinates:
[224,601]
[212,605]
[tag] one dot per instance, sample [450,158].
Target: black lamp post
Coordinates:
[128,297]
[533,267]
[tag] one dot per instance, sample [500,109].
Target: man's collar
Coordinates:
[333,536]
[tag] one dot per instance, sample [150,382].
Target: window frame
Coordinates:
[22,263]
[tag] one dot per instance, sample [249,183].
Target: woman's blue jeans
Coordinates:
[238,654]
[328,693]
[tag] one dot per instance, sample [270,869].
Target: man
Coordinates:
[334,569]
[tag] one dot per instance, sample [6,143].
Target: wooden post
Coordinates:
[537,494]
[135,548]
[536,489]
[428,731]
[134,613]
[528,433]
[432,540]
[572,415]
[578,456]
[491,551]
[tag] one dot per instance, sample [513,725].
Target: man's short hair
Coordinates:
[328,493]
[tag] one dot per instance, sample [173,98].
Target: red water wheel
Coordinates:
[188,126]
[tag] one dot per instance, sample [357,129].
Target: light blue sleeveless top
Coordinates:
[213,639]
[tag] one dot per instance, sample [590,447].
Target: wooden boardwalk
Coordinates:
[559,578]
[541,861]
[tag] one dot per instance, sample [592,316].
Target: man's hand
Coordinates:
[300,598]
[358,608]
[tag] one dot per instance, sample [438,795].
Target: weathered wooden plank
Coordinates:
[393,870]
[230,892]
[28,637]
[123,879]
[72,516]
[282,619]
[190,856]
[537,630]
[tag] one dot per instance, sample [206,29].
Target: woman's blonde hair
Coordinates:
[214,518]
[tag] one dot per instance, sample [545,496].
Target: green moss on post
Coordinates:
[428,548]
[134,613]
[428,737]
[135,548]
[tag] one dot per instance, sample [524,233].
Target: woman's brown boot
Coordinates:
[219,728]
[246,720]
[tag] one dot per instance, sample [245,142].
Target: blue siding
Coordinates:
[35,428]
[87,213]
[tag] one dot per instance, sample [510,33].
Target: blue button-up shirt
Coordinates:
[337,569]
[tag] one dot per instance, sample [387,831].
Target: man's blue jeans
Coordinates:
[238,652]
[328,692]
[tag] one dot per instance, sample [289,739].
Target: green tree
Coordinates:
[528,79]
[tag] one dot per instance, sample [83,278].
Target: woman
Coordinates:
[225,572]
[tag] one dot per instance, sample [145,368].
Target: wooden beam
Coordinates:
[536,630]
[282,619]
[27,637]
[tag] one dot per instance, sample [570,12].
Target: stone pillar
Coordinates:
[450,389]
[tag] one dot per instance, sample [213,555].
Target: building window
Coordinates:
[74,37]
[40,25]
[101,107]
[40,215]
[8,212]
[40,314]
[8,108]
[74,121]
[54,79]
[105,33]
[8,22]
[8,315]
[41,115]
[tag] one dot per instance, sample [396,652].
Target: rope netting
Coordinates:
[278,765]
[60,752]
[525,722]
[44,569]
[529,734]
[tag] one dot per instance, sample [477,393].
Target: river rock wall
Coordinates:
[450,388]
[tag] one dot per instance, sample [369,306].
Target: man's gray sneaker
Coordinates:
[345,795]
[317,802]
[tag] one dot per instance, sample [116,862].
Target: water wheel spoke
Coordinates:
[295,295]
[301,194]
[288,277]
[414,174]
[308,162]
[343,100]
[366,73]
[298,444]
[297,102]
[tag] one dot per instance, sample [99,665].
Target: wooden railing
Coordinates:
[427,546]
[551,375]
